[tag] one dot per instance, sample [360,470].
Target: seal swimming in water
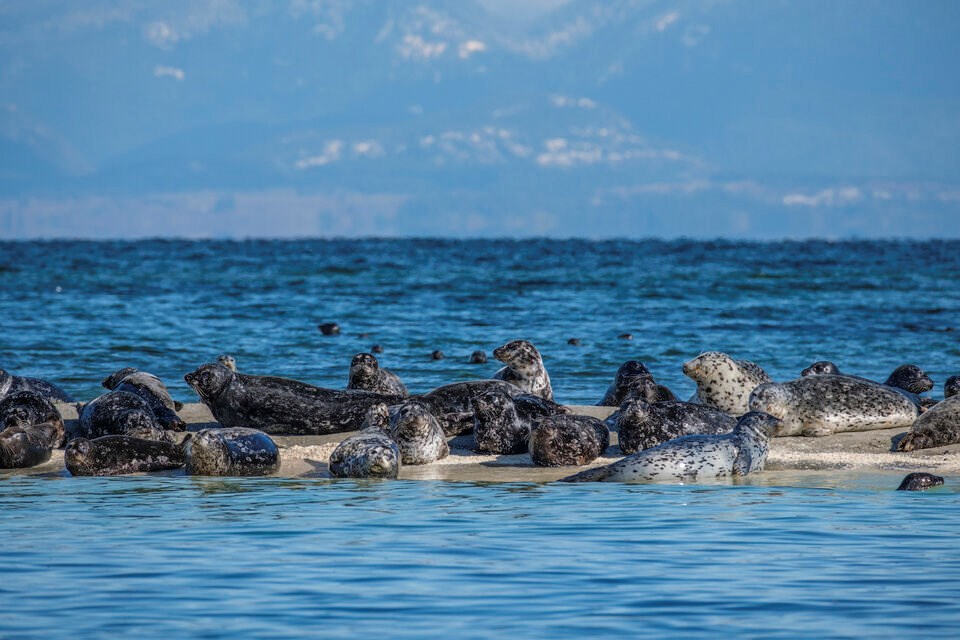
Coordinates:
[152,390]
[724,383]
[524,368]
[329,328]
[692,458]
[561,440]
[31,428]
[634,379]
[437,355]
[119,413]
[10,383]
[478,357]
[368,454]
[501,423]
[120,455]
[280,405]
[228,361]
[417,434]
[939,426]
[230,451]
[366,375]
[920,482]
[822,405]
[642,425]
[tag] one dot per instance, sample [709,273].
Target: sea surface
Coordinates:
[828,554]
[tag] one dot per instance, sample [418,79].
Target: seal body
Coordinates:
[120,455]
[417,434]
[692,458]
[368,454]
[501,423]
[452,404]
[908,379]
[920,482]
[642,425]
[937,427]
[28,446]
[567,440]
[119,413]
[366,375]
[10,383]
[28,408]
[821,405]
[724,383]
[524,368]
[280,405]
[628,375]
[230,451]
[153,391]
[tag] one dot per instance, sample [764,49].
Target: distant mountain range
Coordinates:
[454,117]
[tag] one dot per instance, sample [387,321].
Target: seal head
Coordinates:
[920,482]
[911,378]
[209,381]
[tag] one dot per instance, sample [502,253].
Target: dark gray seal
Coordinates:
[366,375]
[501,423]
[228,361]
[230,451]
[153,391]
[693,458]
[562,440]
[524,368]
[452,404]
[478,357]
[28,408]
[951,387]
[908,379]
[724,383]
[642,425]
[939,426]
[417,434]
[376,348]
[121,455]
[280,405]
[28,446]
[822,405]
[633,379]
[119,413]
[329,328]
[368,454]
[10,383]
[920,482]
[437,355]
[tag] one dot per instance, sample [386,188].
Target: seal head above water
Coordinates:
[920,482]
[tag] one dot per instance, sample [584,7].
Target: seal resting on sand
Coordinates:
[31,428]
[560,440]
[368,454]
[10,383]
[908,379]
[417,434]
[366,375]
[524,368]
[501,423]
[634,379]
[724,383]
[692,458]
[152,390]
[641,425]
[452,404]
[939,426]
[232,451]
[119,413]
[120,455]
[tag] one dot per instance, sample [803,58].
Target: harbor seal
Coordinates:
[951,387]
[228,361]
[561,440]
[822,405]
[329,328]
[417,434]
[478,357]
[634,379]
[524,368]
[28,446]
[437,355]
[501,423]
[119,413]
[452,404]
[368,454]
[724,383]
[152,390]
[642,425]
[920,482]
[366,375]
[693,458]
[120,455]
[908,379]
[230,451]
[10,383]
[28,408]
[280,405]
[939,426]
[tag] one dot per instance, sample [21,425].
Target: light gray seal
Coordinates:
[642,425]
[724,383]
[368,454]
[562,440]
[501,423]
[228,361]
[822,405]
[121,455]
[119,413]
[417,434]
[10,383]
[692,458]
[939,426]
[152,390]
[366,375]
[908,379]
[634,379]
[920,482]
[524,368]
[230,451]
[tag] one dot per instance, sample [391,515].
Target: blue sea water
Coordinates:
[830,555]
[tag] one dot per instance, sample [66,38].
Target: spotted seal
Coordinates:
[10,383]
[642,425]
[724,383]
[693,458]
[31,428]
[822,405]
[939,426]
[920,482]
[417,434]
[230,451]
[501,423]
[368,454]
[120,455]
[152,390]
[951,387]
[634,379]
[561,440]
[452,404]
[908,379]
[366,375]
[228,361]
[119,413]
[280,405]
[524,368]
[28,408]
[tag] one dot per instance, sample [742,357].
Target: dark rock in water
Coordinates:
[368,454]
[625,336]
[561,440]
[329,328]
[478,357]
[920,482]
[376,349]
[574,342]
[437,355]
[120,455]
[232,451]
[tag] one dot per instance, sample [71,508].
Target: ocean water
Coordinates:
[828,554]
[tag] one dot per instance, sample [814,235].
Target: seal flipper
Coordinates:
[177,405]
[815,432]
[742,463]
[599,474]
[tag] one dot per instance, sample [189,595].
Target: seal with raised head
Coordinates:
[634,379]
[120,455]
[920,482]
[561,440]
[153,391]
[228,361]
[939,426]
[524,368]
[643,425]
[10,383]
[501,423]
[280,405]
[119,413]
[724,383]
[368,454]
[822,405]
[951,387]
[367,375]
[693,458]
[230,451]
[417,434]
[906,377]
